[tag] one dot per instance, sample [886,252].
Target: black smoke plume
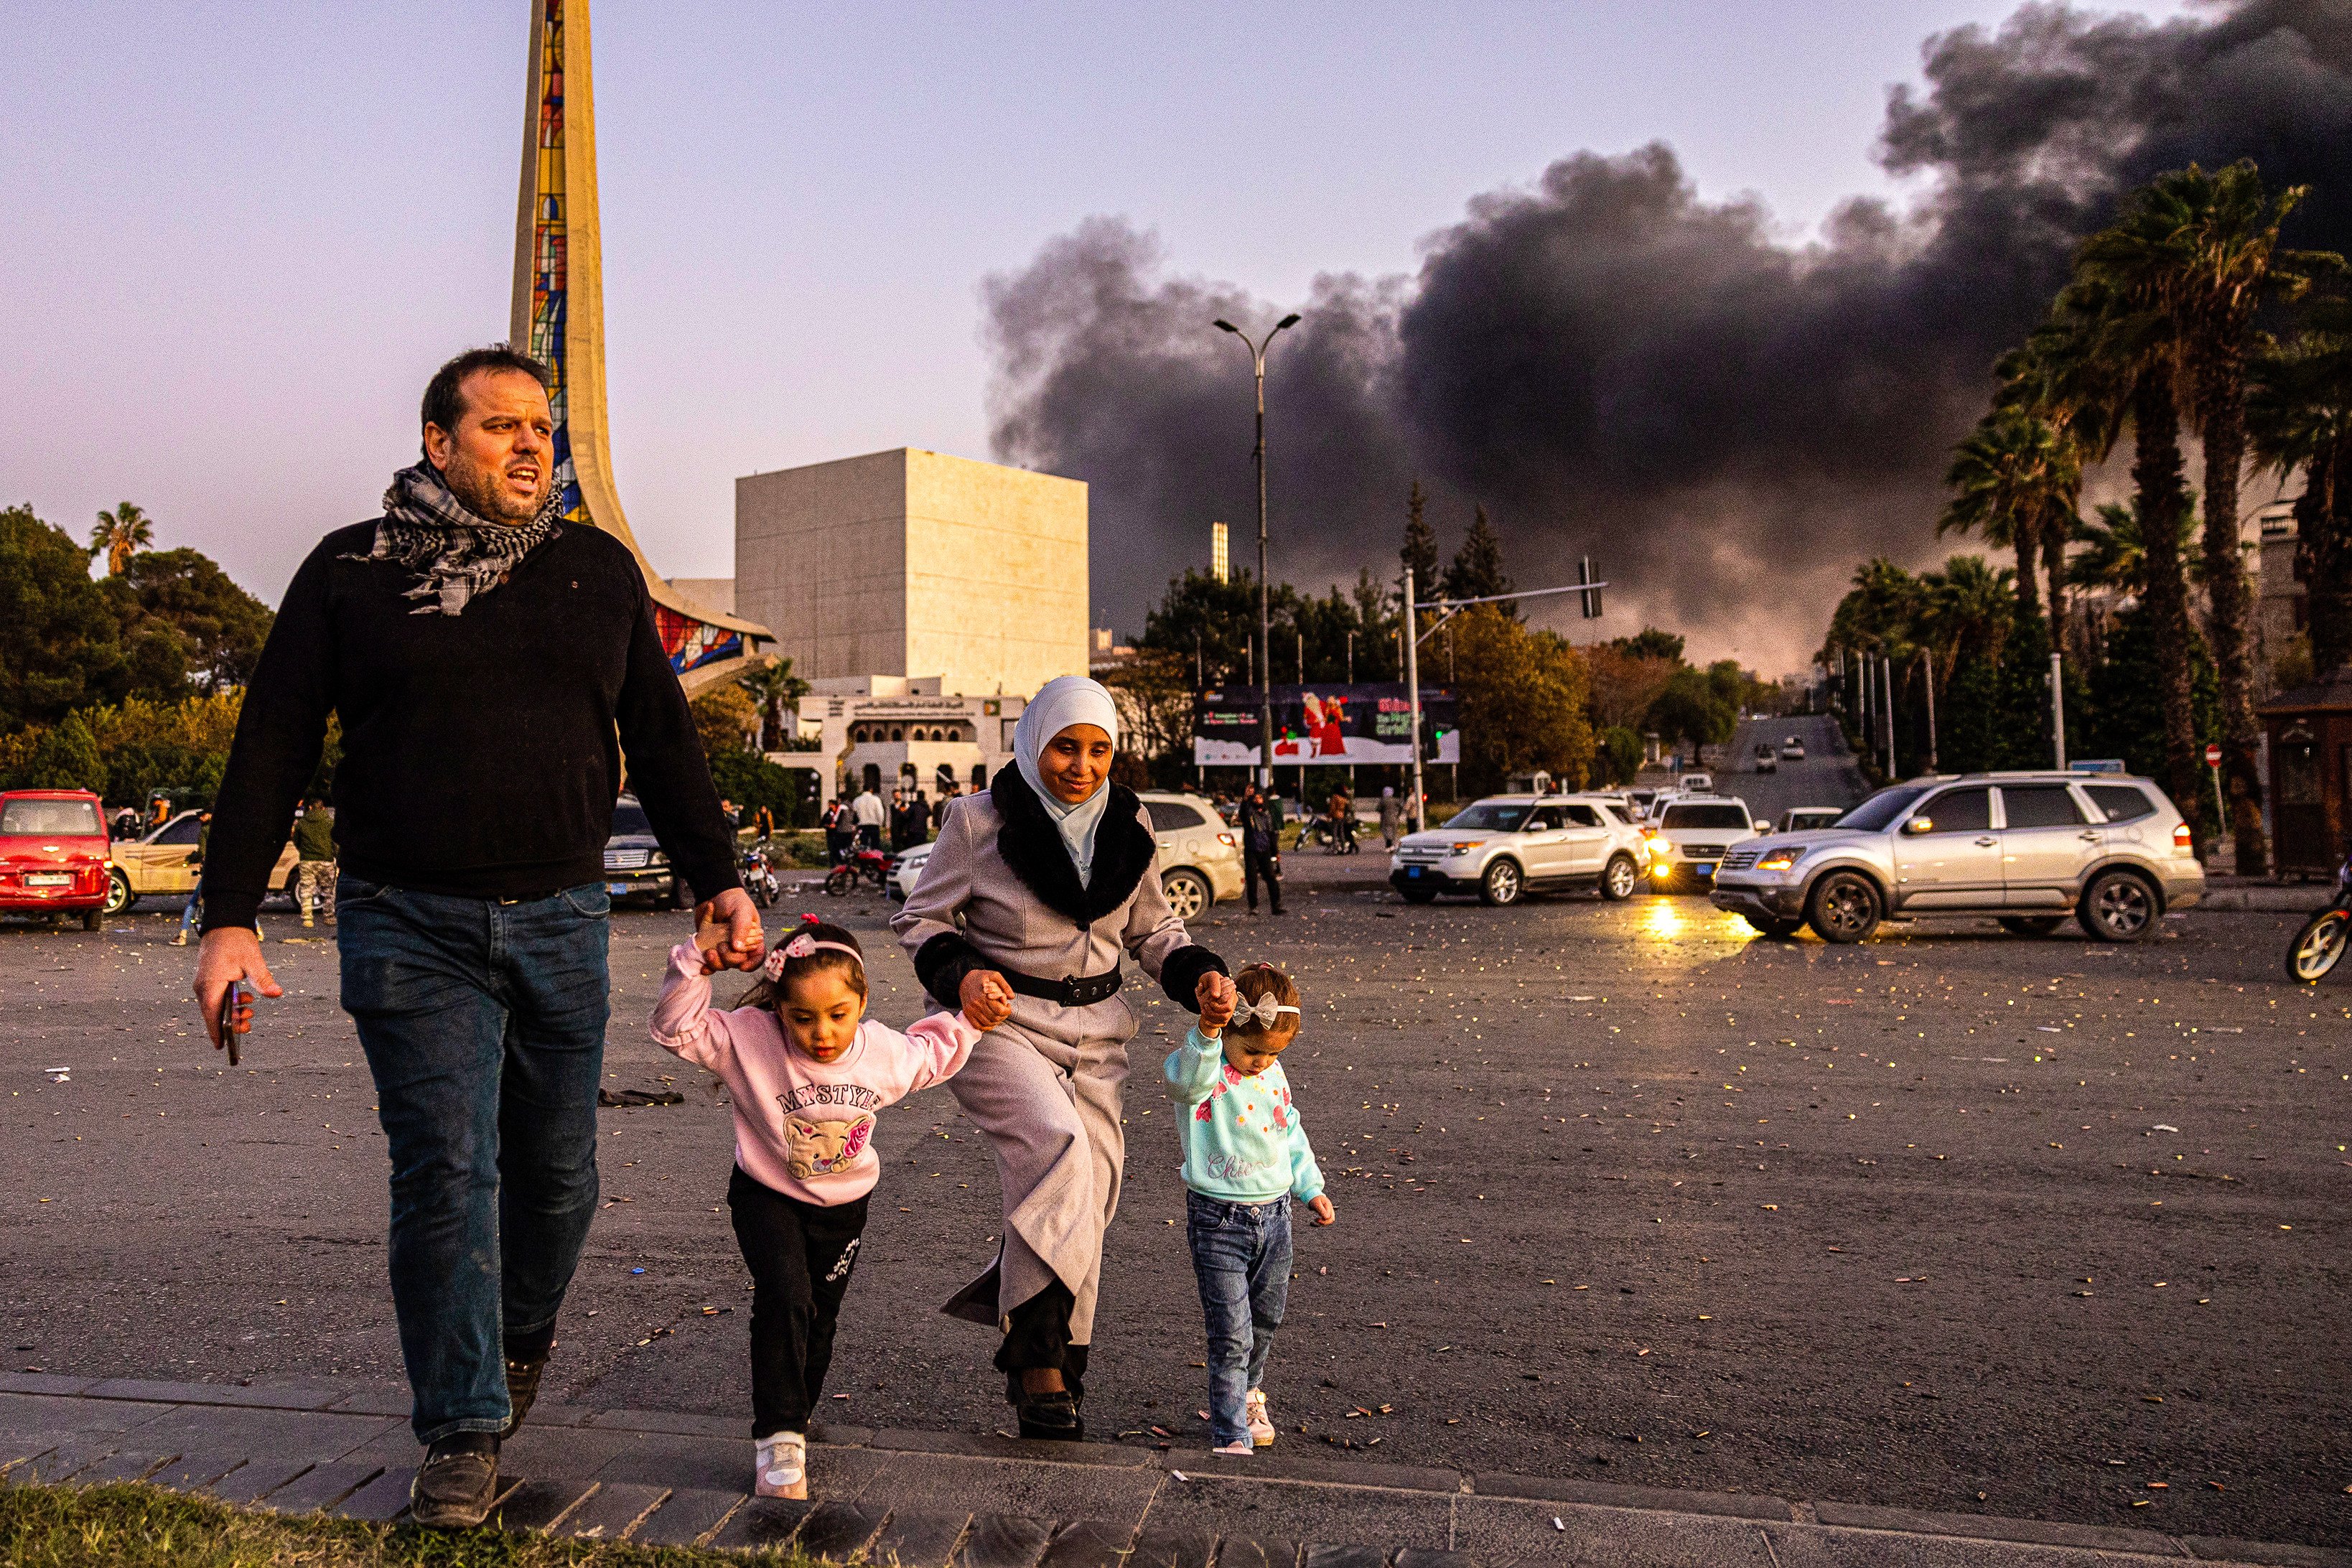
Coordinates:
[1615,367]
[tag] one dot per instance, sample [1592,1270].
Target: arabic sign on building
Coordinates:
[1335,725]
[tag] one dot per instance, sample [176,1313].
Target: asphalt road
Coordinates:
[1826,775]
[1951,1220]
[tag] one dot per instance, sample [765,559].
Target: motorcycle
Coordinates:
[759,876]
[2320,943]
[862,864]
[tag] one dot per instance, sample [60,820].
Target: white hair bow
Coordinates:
[1264,1011]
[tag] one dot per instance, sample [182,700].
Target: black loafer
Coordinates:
[522,1391]
[1051,1415]
[458,1482]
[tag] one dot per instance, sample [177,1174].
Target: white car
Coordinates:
[1507,845]
[1199,858]
[1696,784]
[1688,835]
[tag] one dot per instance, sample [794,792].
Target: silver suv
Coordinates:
[1508,845]
[2024,847]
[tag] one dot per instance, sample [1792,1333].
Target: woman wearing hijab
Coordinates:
[1044,879]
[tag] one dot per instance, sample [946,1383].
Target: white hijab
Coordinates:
[1061,702]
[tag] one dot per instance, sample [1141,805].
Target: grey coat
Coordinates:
[1045,1086]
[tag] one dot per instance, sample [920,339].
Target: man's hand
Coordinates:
[228,955]
[987,999]
[1320,1205]
[743,946]
[1218,996]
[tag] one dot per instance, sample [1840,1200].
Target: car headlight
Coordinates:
[656,859]
[1463,848]
[1657,846]
[1781,859]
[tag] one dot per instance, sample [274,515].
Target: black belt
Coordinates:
[1070,991]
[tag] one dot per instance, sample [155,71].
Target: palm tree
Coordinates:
[2010,480]
[120,534]
[2118,364]
[771,687]
[2038,379]
[1965,609]
[2299,417]
[2201,251]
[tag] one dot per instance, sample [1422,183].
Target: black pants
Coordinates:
[1254,865]
[800,1256]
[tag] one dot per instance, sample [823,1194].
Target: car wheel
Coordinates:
[2318,946]
[1778,929]
[1502,884]
[119,896]
[1619,879]
[1187,895]
[2118,907]
[2029,925]
[89,919]
[1418,895]
[1843,908]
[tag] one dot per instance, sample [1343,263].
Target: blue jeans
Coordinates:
[484,1025]
[1240,1257]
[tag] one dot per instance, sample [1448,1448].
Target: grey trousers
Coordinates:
[1050,1114]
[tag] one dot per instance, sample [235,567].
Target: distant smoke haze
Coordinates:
[1615,367]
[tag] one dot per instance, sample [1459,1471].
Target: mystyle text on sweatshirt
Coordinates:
[802,1128]
[1243,1142]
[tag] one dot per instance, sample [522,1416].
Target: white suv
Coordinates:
[1199,858]
[1689,836]
[1508,845]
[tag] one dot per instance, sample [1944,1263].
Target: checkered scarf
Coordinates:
[456,553]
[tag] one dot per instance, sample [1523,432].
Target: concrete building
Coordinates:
[915,564]
[2282,609]
[884,732]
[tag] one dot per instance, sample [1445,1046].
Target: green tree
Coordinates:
[1650,643]
[2010,480]
[60,648]
[1691,710]
[68,759]
[119,535]
[1620,755]
[1477,569]
[1420,551]
[220,627]
[2299,419]
[725,719]
[769,688]
[1522,702]
[2199,252]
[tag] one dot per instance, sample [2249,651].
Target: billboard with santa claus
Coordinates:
[1329,725]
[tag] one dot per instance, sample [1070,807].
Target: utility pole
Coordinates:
[1411,640]
[1264,614]
[2058,707]
[1886,684]
[1351,681]
[1930,659]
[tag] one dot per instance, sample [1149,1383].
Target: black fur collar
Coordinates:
[1031,845]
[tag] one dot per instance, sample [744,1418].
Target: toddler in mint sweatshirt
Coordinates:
[1246,1157]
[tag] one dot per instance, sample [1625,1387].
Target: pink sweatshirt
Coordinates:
[803,1127]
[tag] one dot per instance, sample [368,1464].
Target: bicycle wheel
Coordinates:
[2318,946]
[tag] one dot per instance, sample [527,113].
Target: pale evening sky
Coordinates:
[241,237]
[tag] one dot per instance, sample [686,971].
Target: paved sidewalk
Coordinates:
[955,1500]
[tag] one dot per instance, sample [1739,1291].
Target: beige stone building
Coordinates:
[915,564]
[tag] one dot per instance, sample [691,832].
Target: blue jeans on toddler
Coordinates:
[1240,1257]
[483,1021]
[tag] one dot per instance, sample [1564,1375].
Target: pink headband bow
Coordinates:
[800,946]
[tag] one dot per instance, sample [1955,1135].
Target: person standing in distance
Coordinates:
[1261,825]
[491,664]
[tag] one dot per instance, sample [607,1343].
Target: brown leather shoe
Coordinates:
[522,1391]
[458,1482]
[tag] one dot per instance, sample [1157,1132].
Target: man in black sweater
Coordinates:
[491,664]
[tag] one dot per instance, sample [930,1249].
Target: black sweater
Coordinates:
[481,752]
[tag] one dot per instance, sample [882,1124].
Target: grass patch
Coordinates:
[141,1527]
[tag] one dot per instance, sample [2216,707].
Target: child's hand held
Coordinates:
[987,999]
[1320,1205]
[1217,996]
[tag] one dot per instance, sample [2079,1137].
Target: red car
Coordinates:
[53,854]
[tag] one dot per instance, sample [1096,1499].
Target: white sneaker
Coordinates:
[1261,1426]
[1241,1449]
[782,1466]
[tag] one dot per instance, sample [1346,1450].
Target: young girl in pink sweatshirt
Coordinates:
[806,1070]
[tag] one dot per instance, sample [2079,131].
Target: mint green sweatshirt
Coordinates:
[1243,1143]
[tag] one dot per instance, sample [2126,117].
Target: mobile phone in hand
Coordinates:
[233,1001]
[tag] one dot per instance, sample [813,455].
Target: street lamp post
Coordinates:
[1265,611]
